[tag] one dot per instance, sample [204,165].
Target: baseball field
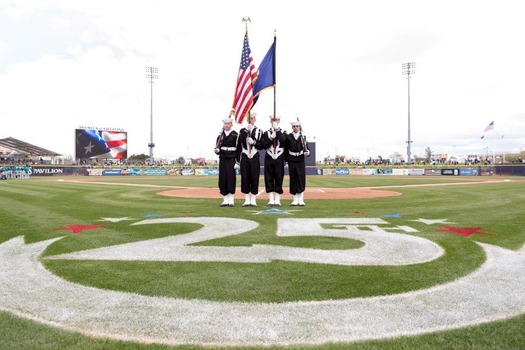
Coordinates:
[130,262]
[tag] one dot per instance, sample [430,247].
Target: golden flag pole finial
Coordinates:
[246,20]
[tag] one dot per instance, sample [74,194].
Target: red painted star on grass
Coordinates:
[79,228]
[464,231]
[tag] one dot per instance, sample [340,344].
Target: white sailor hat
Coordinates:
[294,123]
[227,120]
[275,117]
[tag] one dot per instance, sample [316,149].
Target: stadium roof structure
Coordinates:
[22,147]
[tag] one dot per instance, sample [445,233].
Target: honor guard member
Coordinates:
[274,143]
[226,147]
[248,146]
[297,149]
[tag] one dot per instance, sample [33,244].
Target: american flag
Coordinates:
[101,144]
[488,128]
[243,99]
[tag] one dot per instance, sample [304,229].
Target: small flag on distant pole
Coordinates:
[488,128]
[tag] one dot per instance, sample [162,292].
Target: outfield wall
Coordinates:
[518,170]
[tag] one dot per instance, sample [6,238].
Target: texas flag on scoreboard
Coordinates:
[101,144]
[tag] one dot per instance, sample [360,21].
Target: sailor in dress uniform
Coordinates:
[226,148]
[248,146]
[274,142]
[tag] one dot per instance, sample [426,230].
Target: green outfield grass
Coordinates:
[41,208]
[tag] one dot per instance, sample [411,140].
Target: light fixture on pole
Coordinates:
[409,69]
[151,73]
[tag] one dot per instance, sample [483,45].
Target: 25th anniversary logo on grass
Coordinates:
[490,293]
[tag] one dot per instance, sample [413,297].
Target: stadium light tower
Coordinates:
[151,73]
[409,69]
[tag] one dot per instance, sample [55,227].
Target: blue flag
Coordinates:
[266,77]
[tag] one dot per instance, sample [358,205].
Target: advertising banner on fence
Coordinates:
[467,172]
[415,172]
[14,172]
[95,172]
[187,172]
[112,172]
[432,172]
[57,170]
[384,171]
[448,172]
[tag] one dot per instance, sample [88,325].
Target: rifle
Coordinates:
[219,139]
[275,139]
[248,135]
[218,144]
[303,137]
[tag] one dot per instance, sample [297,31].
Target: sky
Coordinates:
[67,64]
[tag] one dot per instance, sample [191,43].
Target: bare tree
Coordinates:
[428,155]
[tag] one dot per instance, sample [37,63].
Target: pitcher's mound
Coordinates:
[310,193]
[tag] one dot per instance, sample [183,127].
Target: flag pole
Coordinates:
[274,74]
[246,20]
[493,147]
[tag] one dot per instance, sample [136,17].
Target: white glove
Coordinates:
[275,125]
[236,166]
[307,153]
[217,151]
[273,135]
[250,141]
